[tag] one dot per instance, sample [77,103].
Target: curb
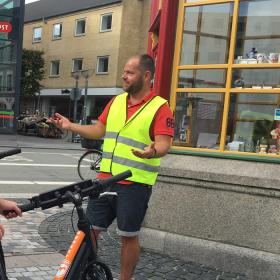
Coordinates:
[257,265]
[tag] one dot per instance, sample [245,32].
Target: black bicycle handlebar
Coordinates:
[10,152]
[60,196]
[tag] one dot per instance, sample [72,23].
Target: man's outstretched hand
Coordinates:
[148,152]
[60,121]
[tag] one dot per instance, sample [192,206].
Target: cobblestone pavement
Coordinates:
[48,232]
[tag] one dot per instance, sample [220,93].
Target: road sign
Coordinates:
[75,94]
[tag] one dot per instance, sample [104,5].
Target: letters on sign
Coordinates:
[5,26]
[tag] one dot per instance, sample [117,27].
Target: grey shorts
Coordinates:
[129,207]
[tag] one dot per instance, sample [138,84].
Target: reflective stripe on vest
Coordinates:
[121,137]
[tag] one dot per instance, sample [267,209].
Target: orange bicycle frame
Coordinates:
[70,256]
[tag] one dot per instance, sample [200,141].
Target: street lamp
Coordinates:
[76,75]
[86,75]
[75,96]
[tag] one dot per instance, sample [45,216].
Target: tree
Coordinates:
[32,72]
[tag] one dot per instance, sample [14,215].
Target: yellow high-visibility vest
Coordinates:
[122,136]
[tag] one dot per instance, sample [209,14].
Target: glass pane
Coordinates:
[251,120]
[206,34]
[55,68]
[256,78]
[81,25]
[214,78]
[37,34]
[78,65]
[103,64]
[7,52]
[198,118]
[106,22]
[9,8]
[57,28]
[258,31]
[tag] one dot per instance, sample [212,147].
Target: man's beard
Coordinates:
[135,87]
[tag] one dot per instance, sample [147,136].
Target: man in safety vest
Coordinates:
[137,127]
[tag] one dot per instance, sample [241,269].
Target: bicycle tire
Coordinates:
[89,164]
[96,270]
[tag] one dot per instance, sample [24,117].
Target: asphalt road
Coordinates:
[38,170]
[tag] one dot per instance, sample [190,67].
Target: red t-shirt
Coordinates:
[163,123]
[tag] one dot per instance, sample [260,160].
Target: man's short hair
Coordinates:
[146,63]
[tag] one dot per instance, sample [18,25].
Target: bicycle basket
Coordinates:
[91,144]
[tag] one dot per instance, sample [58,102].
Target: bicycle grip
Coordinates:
[116,178]
[26,207]
[10,152]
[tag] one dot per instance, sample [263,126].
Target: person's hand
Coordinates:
[60,121]
[148,152]
[7,205]
[2,231]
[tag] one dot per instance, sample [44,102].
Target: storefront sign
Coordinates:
[277,115]
[5,27]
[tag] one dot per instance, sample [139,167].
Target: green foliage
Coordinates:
[32,72]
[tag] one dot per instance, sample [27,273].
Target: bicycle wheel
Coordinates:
[97,271]
[89,164]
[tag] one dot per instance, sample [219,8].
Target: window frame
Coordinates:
[33,35]
[98,62]
[73,64]
[51,69]
[101,22]
[76,25]
[53,35]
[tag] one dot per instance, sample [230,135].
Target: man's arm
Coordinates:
[92,131]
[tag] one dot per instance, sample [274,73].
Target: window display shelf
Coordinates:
[257,65]
[252,90]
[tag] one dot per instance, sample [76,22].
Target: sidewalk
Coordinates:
[34,244]
[23,141]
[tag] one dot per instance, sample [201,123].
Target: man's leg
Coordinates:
[130,252]
[131,209]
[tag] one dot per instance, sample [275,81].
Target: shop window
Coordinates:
[206,34]
[198,119]
[106,23]
[258,36]
[226,86]
[77,64]
[57,31]
[202,78]
[102,64]
[54,71]
[251,119]
[37,34]
[80,27]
